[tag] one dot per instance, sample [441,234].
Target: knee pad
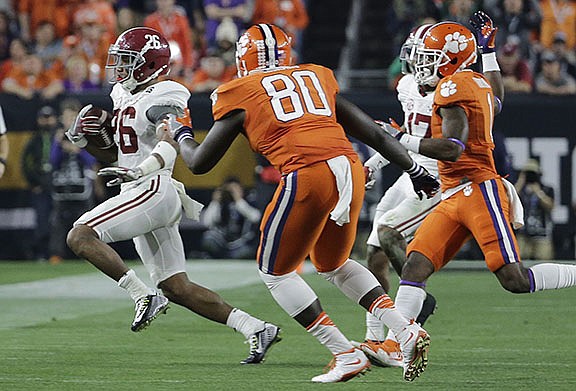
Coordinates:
[353,279]
[290,291]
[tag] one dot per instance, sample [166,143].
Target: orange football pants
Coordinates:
[297,221]
[480,210]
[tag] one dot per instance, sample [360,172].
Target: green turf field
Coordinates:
[482,339]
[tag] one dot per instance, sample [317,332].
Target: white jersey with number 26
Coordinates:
[135,133]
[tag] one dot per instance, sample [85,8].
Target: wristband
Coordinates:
[411,143]
[3,161]
[490,63]
[184,133]
[151,163]
[498,105]
[415,170]
[455,140]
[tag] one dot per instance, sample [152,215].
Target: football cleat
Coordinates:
[414,345]
[428,308]
[147,309]
[261,342]
[383,354]
[344,366]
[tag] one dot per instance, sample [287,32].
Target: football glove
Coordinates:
[92,123]
[122,175]
[485,32]
[75,133]
[180,128]
[392,128]
[425,185]
[369,179]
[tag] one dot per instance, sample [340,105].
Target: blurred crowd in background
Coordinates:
[52,47]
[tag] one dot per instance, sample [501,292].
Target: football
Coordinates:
[97,127]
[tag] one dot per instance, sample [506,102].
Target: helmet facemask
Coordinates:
[121,65]
[426,64]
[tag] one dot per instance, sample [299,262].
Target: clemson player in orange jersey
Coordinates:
[476,201]
[293,116]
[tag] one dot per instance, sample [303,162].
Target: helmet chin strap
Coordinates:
[130,84]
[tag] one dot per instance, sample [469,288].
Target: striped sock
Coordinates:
[329,335]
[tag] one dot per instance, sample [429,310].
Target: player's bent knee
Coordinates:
[389,237]
[376,259]
[417,268]
[78,236]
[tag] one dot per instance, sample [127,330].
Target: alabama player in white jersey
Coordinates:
[399,212]
[149,206]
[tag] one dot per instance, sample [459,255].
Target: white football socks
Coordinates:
[134,285]
[244,323]
[409,300]
[383,308]
[329,335]
[553,276]
[374,328]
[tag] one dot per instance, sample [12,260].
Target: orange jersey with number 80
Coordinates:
[290,114]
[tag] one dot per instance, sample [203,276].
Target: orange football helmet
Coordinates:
[446,48]
[262,46]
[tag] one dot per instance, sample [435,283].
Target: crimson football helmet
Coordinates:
[408,49]
[139,55]
[262,46]
[446,48]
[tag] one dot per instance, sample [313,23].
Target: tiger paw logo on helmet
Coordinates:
[455,42]
[447,88]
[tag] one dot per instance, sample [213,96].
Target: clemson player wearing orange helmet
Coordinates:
[292,115]
[476,201]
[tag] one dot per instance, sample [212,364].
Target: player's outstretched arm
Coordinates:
[485,32]
[201,158]
[359,125]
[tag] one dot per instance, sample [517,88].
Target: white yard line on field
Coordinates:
[95,293]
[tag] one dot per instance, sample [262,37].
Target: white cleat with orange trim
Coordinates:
[345,366]
[383,354]
[414,344]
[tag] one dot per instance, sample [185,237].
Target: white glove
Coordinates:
[369,178]
[178,130]
[122,175]
[92,124]
[391,130]
[75,133]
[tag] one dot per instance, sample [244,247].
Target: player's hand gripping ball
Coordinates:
[96,125]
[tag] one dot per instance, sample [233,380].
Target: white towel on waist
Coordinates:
[516,208]
[340,167]
[191,207]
